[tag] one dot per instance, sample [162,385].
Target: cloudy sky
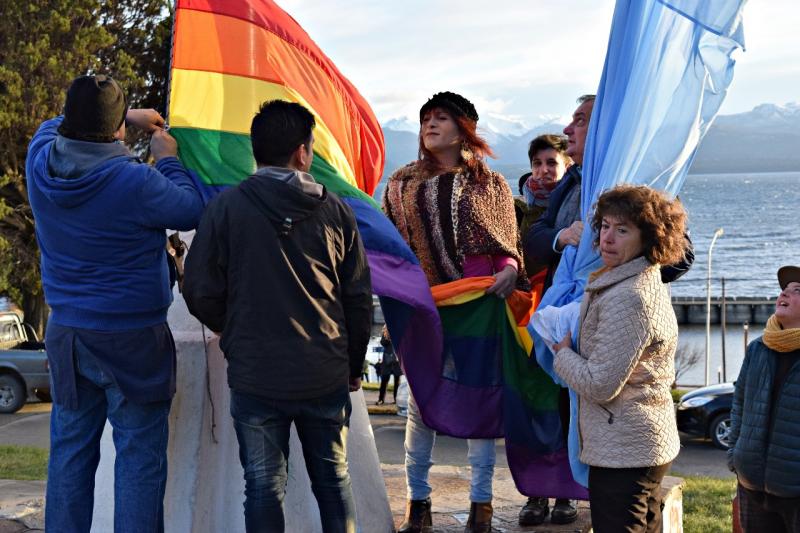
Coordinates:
[523,59]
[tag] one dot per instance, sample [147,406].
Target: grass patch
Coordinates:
[707,504]
[677,394]
[23,462]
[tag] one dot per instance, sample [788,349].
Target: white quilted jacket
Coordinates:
[624,371]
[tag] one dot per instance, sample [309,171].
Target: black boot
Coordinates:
[534,513]
[564,512]
[418,517]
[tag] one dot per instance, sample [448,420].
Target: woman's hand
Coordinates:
[148,120]
[566,342]
[504,282]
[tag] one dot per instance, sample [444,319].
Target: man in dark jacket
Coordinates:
[561,226]
[100,218]
[278,269]
[765,419]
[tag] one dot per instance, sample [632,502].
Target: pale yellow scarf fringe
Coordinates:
[779,339]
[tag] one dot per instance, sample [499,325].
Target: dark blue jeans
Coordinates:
[262,427]
[140,470]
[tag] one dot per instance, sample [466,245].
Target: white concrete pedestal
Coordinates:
[205,486]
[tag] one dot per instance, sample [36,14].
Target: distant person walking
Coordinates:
[295,339]
[101,216]
[365,370]
[390,367]
[765,419]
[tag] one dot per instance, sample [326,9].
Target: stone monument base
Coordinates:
[205,485]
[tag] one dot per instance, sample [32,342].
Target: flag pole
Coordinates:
[171,59]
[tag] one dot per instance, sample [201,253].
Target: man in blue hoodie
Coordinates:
[101,216]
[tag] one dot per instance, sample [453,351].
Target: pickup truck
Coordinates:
[23,365]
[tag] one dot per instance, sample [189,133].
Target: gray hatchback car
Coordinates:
[24,371]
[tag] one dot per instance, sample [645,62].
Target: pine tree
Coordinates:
[44,45]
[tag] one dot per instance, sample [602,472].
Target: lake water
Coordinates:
[758,213]
[693,338]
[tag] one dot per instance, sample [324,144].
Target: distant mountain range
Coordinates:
[766,139]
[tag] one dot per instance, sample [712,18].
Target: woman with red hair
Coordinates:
[458,217]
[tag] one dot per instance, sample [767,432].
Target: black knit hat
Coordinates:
[94,110]
[452,102]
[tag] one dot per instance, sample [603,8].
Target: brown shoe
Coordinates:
[418,517]
[480,518]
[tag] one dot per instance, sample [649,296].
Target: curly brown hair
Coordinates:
[661,220]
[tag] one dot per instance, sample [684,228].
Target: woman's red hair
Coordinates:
[471,140]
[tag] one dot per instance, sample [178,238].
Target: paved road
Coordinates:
[697,457]
[700,458]
[30,427]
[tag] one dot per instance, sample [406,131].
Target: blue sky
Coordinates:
[523,60]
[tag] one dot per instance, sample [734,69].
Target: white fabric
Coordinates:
[553,323]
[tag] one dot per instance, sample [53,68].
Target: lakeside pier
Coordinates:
[741,310]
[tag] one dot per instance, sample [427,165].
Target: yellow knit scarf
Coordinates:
[779,339]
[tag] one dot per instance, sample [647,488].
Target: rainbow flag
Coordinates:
[466,379]
[489,387]
[228,57]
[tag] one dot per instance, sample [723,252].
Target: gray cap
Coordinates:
[788,274]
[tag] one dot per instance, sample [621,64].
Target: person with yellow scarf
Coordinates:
[765,419]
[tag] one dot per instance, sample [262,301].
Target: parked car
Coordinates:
[373,355]
[706,412]
[24,371]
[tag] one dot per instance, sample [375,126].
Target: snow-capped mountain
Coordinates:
[765,139]
[497,128]
[402,124]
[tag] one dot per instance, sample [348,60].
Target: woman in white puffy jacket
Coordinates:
[624,367]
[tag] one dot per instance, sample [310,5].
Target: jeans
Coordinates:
[419,450]
[626,499]
[141,432]
[262,428]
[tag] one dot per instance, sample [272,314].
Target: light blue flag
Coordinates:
[667,71]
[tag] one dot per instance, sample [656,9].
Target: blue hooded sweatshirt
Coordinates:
[100,219]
